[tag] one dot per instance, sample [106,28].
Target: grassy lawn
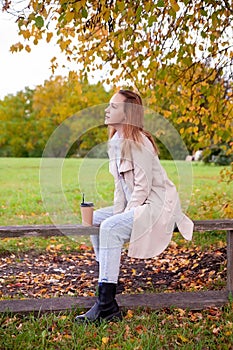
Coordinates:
[21,201]
[167,329]
[21,204]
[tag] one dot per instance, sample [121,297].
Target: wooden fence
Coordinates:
[190,300]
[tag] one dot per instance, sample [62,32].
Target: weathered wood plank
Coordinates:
[25,306]
[230,261]
[189,300]
[46,230]
[212,225]
[69,230]
[152,301]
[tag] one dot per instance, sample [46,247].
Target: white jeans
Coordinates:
[115,230]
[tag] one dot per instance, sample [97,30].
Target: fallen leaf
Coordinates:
[182,338]
[129,314]
[57,273]
[105,340]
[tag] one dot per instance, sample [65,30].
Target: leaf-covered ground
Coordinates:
[55,273]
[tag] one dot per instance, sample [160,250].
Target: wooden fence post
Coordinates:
[230,261]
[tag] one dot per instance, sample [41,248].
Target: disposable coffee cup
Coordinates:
[87,209]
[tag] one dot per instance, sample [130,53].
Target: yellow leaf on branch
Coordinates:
[27,48]
[174,5]
[69,16]
[16,47]
[49,37]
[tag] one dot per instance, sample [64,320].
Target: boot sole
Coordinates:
[111,318]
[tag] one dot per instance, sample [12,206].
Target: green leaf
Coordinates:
[139,11]
[151,20]
[84,12]
[203,34]
[39,22]
[160,3]
[204,12]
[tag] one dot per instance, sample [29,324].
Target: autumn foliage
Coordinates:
[178,54]
[31,116]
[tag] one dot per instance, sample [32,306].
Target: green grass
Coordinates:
[166,329]
[21,201]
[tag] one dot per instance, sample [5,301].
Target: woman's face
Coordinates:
[114,113]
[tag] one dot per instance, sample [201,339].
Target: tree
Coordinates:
[17,124]
[168,49]
[200,107]
[64,102]
[29,118]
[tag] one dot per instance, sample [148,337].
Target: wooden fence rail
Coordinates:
[191,300]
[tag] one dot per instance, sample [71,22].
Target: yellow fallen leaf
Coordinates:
[67,336]
[181,312]
[129,314]
[134,272]
[63,317]
[194,266]
[182,278]
[49,247]
[59,246]
[182,338]
[228,333]
[105,340]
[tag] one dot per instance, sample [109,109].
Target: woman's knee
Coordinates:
[105,225]
[109,233]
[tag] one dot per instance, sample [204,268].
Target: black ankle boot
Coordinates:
[105,308]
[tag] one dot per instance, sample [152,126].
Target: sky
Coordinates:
[18,70]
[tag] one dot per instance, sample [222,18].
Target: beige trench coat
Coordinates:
[154,198]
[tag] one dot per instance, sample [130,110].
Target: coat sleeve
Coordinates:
[142,174]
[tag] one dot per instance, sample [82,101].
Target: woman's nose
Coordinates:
[106,109]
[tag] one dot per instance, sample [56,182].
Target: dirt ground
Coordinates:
[57,273]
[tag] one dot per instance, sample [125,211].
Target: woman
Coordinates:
[146,204]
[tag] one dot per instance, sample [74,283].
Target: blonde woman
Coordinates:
[146,204]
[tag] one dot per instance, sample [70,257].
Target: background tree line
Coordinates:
[30,117]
